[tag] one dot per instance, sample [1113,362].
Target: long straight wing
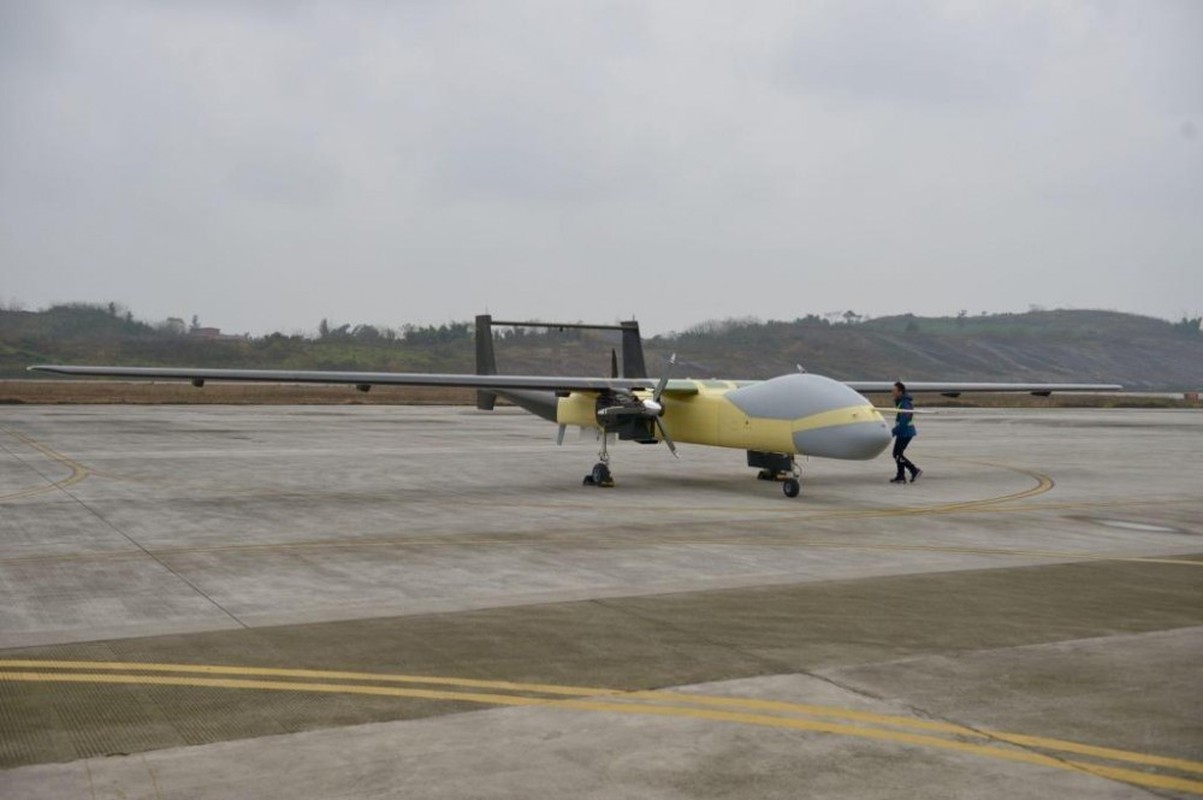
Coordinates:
[518,382]
[502,382]
[950,387]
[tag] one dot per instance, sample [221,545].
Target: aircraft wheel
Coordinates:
[791,487]
[600,475]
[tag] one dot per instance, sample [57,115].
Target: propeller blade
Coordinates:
[614,363]
[668,440]
[664,378]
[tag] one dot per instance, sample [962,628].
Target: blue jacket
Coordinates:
[904,428]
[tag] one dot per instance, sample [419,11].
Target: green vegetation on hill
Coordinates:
[1057,346]
[1094,346]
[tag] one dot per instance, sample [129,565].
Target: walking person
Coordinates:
[904,431]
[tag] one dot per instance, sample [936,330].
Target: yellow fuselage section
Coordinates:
[707,417]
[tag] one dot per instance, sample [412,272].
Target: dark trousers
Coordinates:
[904,463]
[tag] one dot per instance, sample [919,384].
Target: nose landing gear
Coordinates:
[600,475]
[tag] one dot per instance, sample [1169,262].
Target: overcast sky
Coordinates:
[266,164]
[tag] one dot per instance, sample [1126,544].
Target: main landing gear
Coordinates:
[791,484]
[778,467]
[600,475]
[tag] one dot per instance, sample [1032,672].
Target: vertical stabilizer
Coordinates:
[633,365]
[486,361]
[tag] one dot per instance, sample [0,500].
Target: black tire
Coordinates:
[791,487]
[588,480]
[600,474]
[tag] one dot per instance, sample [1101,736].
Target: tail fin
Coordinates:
[486,360]
[632,351]
[633,365]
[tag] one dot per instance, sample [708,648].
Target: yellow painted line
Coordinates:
[78,471]
[987,505]
[931,725]
[292,686]
[974,551]
[1023,756]
[621,706]
[213,669]
[620,695]
[750,541]
[595,541]
[1044,483]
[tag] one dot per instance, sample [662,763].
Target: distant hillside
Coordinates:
[1093,346]
[1096,346]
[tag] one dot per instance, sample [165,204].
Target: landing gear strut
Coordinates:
[791,482]
[777,467]
[600,475]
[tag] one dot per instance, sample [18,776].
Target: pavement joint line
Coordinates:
[63,486]
[91,781]
[364,544]
[1184,765]
[622,704]
[79,472]
[998,504]
[154,781]
[921,720]
[1044,484]
[621,695]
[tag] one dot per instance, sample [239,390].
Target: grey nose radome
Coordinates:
[857,440]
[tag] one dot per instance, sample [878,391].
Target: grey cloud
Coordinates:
[392,162]
[911,53]
[270,176]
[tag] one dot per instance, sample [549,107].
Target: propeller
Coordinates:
[657,407]
[651,408]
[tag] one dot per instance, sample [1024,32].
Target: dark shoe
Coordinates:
[916,475]
[898,480]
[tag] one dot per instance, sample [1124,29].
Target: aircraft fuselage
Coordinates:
[801,414]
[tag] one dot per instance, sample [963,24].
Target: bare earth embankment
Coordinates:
[182,393]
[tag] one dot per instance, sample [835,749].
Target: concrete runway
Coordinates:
[328,602]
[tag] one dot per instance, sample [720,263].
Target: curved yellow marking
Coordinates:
[933,725]
[627,703]
[973,551]
[984,505]
[749,541]
[78,471]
